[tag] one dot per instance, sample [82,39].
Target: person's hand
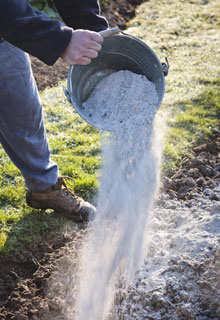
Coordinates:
[83,46]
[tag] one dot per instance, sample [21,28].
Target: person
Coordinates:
[77,40]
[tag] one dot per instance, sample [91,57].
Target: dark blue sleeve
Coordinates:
[33,31]
[81,14]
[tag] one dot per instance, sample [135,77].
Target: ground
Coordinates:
[25,277]
[28,276]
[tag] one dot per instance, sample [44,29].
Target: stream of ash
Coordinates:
[113,248]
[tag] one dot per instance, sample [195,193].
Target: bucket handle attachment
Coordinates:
[67,94]
[165,67]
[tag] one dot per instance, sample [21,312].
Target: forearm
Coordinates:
[32,31]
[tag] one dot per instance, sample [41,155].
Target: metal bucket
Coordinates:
[119,52]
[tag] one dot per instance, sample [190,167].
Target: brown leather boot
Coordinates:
[63,200]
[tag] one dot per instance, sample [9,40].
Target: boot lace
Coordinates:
[67,182]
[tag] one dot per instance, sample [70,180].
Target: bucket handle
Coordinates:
[110,32]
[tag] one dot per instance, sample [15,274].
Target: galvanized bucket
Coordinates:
[119,52]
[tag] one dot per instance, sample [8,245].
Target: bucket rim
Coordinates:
[106,50]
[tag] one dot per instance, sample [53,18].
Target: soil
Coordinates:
[198,174]
[117,12]
[24,276]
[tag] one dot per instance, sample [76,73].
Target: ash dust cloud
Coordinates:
[114,245]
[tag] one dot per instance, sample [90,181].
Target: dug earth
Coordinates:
[180,279]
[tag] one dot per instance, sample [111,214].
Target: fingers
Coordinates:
[90,42]
[86,57]
[96,37]
[89,53]
[84,46]
[94,46]
[84,61]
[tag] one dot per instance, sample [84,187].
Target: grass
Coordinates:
[196,122]
[185,32]
[75,146]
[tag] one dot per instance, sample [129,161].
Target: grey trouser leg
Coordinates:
[22,132]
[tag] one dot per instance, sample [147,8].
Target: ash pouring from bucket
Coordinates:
[126,103]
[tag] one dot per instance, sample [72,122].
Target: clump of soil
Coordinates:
[199,174]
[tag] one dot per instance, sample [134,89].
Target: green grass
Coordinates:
[75,146]
[196,122]
[185,32]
